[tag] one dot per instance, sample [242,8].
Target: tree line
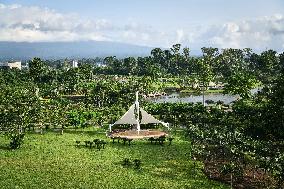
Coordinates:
[48,96]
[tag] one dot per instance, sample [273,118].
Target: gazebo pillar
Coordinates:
[137,113]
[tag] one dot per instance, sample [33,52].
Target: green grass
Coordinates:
[53,161]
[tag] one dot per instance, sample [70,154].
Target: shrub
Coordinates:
[17,140]
[137,163]
[126,162]
[220,102]
[209,101]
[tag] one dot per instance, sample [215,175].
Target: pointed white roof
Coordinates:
[133,114]
[128,117]
[147,118]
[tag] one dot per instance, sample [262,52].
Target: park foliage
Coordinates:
[246,139]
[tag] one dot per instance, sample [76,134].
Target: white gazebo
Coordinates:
[133,117]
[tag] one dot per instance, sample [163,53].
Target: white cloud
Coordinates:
[33,24]
[21,23]
[29,23]
[258,34]
[180,35]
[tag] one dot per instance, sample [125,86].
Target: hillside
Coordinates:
[56,50]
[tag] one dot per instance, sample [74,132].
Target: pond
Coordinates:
[180,97]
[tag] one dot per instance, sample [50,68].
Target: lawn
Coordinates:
[52,160]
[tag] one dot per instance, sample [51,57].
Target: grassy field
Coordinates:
[52,160]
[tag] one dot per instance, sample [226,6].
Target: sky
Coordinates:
[256,24]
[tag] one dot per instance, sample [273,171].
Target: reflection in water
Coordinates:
[179,97]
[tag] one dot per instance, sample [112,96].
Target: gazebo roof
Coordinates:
[133,117]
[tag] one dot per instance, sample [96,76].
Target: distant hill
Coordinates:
[57,50]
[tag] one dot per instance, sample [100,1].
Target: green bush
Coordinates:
[126,162]
[17,140]
[137,163]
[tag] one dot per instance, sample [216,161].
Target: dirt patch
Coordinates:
[249,177]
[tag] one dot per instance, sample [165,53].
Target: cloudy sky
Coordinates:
[257,24]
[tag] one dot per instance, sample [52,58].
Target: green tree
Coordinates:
[17,104]
[37,69]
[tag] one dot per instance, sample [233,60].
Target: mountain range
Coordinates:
[76,50]
[58,50]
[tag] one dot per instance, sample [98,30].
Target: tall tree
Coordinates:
[37,69]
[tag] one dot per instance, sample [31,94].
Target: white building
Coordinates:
[74,64]
[11,64]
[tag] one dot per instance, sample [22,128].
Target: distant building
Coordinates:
[25,66]
[74,64]
[101,64]
[11,65]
